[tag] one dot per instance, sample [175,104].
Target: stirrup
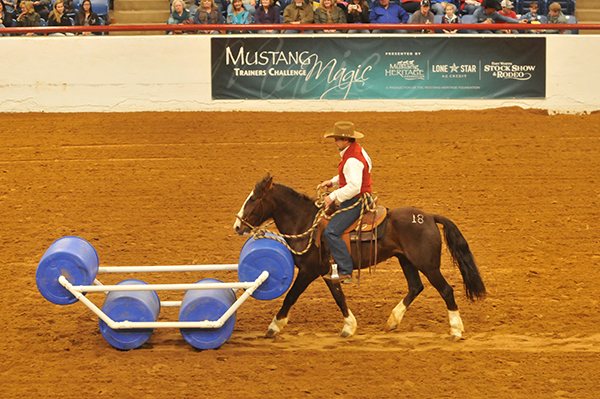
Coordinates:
[333,273]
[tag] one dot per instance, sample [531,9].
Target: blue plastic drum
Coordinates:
[130,306]
[72,257]
[207,305]
[273,256]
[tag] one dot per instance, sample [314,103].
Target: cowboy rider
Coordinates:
[353,180]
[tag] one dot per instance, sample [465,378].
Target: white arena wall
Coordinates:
[172,73]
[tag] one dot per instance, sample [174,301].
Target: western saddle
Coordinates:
[371,229]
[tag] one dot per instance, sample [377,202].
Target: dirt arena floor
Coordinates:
[163,188]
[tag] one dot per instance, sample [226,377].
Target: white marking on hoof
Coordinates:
[349,325]
[396,317]
[276,326]
[456,324]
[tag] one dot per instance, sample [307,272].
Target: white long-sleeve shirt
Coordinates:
[353,169]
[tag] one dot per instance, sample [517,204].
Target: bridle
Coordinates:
[245,221]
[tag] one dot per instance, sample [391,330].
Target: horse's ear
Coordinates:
[264,185]
[268,182]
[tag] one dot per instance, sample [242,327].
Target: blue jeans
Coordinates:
[333,235]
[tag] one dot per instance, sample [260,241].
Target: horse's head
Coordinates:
[257,208]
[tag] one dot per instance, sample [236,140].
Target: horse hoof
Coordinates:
[345,334]
[271,333]
[456,338]
[391,326]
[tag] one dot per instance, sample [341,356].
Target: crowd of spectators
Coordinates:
[25,13]
[362,12]
[365,14]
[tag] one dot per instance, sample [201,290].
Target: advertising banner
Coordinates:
[337,68]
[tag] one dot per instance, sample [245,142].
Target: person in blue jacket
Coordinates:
[386,13]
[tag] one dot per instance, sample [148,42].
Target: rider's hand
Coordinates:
[328,201]
[326,184]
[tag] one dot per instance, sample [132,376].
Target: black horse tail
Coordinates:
[463,258]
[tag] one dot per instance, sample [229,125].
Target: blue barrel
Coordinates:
[273,256]
[207,305]
[72,257]
[130,306]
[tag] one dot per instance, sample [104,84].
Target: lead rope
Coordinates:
[368,206]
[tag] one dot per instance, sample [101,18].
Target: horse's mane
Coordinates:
[295,193]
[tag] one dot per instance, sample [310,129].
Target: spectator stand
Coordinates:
[571,20]
[468,19]
[467,26]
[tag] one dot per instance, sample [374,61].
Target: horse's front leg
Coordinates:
[303,280]
[349,320]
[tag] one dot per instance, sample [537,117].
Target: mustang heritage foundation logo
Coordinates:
[406,70]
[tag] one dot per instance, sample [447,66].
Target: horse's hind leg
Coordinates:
[349,320]
[447,293]
[415,286]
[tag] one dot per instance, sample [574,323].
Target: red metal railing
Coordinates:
[45,30]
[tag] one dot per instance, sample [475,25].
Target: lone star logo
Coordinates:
[453,68]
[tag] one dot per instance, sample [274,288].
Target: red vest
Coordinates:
[355,151]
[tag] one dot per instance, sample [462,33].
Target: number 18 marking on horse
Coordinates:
[418,218]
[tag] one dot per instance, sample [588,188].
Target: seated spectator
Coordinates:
[423,16]
[298,12]
[469,6]
[555,16]
[28,16]
[238,14]
[249,5]
[86,17]
[386,13]
[507,9]
[42,8]
[532,15]
[267,13]
[58,18]
[179,16]
[5,17]
[488,14]
[329,13]
[358,13]
[208,14]
[450,18]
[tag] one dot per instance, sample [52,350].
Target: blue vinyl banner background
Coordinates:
[376,67]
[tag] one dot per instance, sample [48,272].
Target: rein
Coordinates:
[259,232]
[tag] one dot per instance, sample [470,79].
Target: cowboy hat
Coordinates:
[344,129]
[491,4]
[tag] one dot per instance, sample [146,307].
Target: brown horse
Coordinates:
[411,235]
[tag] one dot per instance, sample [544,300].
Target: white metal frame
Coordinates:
[78,290]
